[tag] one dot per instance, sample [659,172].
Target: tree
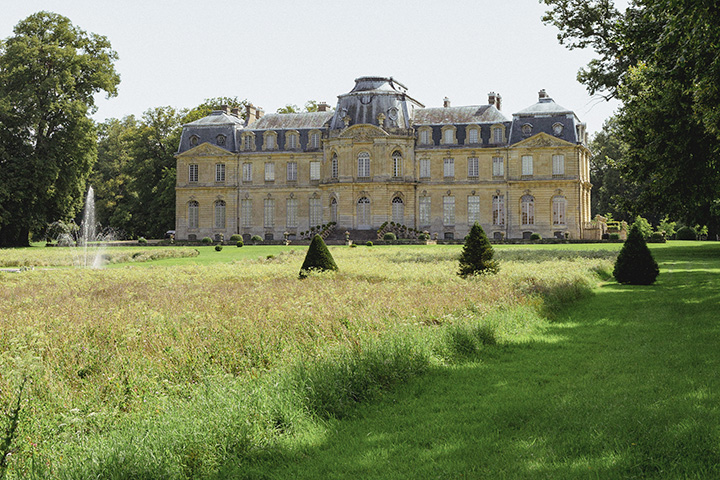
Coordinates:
[318,258]
[635,264]
[49,72]
[477,254]
[659,57]
[210,104]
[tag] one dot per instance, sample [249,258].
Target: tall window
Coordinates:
[248,142]
[246,212]
[291,141]
[220,214]
[397,164]
[398,210]
[269,172]
[334,167]
[498,167]
[424,168]
[193,214]
[363,213]
[498,210]
[473,209]
[527,210]
[449,167]
[269,213]
[315,212]
[448,210]
[558,164]
[315,140]
[497,135]
[424,137]
[247,172]
[314,170]
[424,211]
[472,135]
[364,165]
[333,210]
[270,142]
[193,172]
[558,208]
[219,172]
[527,165]
[292,171]
[448,136]
[473,166]
[291,207]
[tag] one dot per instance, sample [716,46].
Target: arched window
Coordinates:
[333,210]
[363,214]
[558,208]
[472,135]
[527,210]
[220,214]
[220,139]
[193,213]
[398,210]
[364,165]
[334,167]
[194,140]
[397,164]
[448,136]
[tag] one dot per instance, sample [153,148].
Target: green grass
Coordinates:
[621,385]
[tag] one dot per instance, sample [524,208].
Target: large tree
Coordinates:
[49,72]
[659,57]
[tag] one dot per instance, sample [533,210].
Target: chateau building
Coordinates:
[382,156]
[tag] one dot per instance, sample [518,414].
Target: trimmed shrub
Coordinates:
[234,238]
[318,258]
[535,236]
[240,243]
[218,248]
[614,236]
[142,241]
[255,239]
[477,254]
[657,237]
[369,243]
[424,237]
[207,241]
[635,264]
[389,237]
[686,233]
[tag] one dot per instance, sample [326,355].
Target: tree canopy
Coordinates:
[659,57]
[49,72]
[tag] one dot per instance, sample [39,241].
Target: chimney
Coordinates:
[498,101]
[446,102]
[260,113]
[225,109]
[542,94]
[236,112]
[494,99]
[323,107]
[250,114]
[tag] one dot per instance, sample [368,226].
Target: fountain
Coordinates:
[85,242]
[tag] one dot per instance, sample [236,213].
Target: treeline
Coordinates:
[134,176]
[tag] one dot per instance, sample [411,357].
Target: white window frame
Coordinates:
[398,210]
[193,214]
[397,164]
[527,210]
[425,136]
[498,208]
[424,168]
[559,208]
[473,167]
[558,162]
[291,171]
[334,166]
[363,161]
[269,171]
[449,136]
[291,209]
[314,171]
[193,173]
[220,208]
[497,134]
[448,167]
[247,172]
[270,142]
[314,140]
[498,167]
[269,213]
[219,173]
[315,214]
[246,212]
[291,141]
[527,165]
[424,210]
[473,209]
[473,135]
[449,210]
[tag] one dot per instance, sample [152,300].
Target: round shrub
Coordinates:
[353,245]
[614,236]
[234,238]
[206,241]
[369,243]
[389,237]
[255,239]
[477,253]
[535,236]
[424,237]
[142,241]
[635,264]
[686,233]
[318,258]
[240,243]
[657,237]
[218,248]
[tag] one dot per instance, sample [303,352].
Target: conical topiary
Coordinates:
[635,264]
[318,258]
[477,254]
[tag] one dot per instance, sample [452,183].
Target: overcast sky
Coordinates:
[272,53]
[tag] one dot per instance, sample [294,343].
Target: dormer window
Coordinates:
[558,129]
[448,135]
[472,136]
[425,137]
[291,140]
[314,141]
[220,140]
[248,142]
[498,134]
[270,140]
[194,140]
[527,129]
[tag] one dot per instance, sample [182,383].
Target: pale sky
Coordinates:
[272,53]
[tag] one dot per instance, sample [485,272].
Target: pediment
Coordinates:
[363,132]
[541,140]
[206,149]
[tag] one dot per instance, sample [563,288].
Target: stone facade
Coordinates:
[382,156]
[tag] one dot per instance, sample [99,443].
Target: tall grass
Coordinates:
[173,372]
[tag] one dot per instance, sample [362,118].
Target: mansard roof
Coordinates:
[217,117]
[544,106]
[285,121]
[456,115]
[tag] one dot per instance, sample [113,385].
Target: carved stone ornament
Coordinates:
[346,120]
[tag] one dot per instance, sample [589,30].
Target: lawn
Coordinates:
[622,384]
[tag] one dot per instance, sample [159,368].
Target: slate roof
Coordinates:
[544,106]
[217,117]
[454,115]
[289,121]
